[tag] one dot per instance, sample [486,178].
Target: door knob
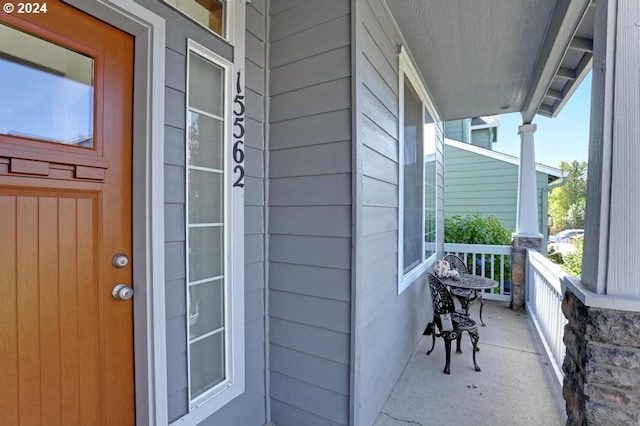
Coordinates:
[122,292]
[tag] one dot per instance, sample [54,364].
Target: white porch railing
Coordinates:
[488,261]
[544,304]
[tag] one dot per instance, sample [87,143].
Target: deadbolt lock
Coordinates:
[120,260]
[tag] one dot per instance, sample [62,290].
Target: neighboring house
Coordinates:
[478,180]
[479,131]
[254,172]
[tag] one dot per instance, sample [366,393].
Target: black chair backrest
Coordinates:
[456,263]
[442,299]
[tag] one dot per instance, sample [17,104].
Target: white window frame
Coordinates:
[212,400]
[407,69]
[228,28]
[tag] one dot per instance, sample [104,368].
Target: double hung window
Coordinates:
[418,172]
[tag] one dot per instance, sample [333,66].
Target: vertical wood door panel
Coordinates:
[69,345]
[28,303]
[66,345]
[48,270]
[8,314]
[52,325]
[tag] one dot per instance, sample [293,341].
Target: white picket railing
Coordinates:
[544,304]
[489,261]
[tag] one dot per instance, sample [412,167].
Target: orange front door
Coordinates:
[66,344]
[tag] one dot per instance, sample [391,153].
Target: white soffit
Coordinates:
[493,56]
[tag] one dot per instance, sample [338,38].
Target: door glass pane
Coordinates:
[413,169]
[206,308]
[205,86]
[207,363]
[205,141]
[205,197]
[46,91]
[205,252]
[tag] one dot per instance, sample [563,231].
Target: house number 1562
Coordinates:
[238,134]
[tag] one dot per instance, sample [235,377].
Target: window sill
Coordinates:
[208,408]
[410,277]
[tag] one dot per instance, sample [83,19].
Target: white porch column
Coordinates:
[527,213]
[526,235]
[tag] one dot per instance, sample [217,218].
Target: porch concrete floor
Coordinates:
[515,387]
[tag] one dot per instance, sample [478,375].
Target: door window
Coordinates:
[47,90]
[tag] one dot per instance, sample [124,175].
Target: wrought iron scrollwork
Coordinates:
[443,304]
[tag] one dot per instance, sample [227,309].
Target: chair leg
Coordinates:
[447,351]
[458,341]
[474,341]
[433,342]
[481,306]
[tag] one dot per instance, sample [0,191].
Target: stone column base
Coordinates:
[602,365]
[519,246]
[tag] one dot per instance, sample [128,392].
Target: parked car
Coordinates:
[566,235]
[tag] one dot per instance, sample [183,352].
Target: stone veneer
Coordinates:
[602,365]
[519,246]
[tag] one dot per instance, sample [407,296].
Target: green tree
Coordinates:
[475,229]
[573,260]
[567,202]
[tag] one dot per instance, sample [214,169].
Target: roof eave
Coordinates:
[564,23]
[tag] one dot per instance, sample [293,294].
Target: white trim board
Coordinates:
[596,300]
[553,171]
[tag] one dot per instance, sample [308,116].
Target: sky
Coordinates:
[563,138]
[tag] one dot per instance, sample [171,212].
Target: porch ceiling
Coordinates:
[497,56]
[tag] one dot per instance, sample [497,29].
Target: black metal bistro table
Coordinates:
[476,284]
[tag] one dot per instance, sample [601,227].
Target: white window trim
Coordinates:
[407,68]
[231,11]
[234,384]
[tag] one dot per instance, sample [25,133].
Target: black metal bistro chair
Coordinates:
[465,296]
[440,326]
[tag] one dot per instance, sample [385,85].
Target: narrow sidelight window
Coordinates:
[214,234]
[206,239]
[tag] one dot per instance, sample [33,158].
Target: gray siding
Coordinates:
[249,408]
[485,185]
[309,211]
[387,325]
